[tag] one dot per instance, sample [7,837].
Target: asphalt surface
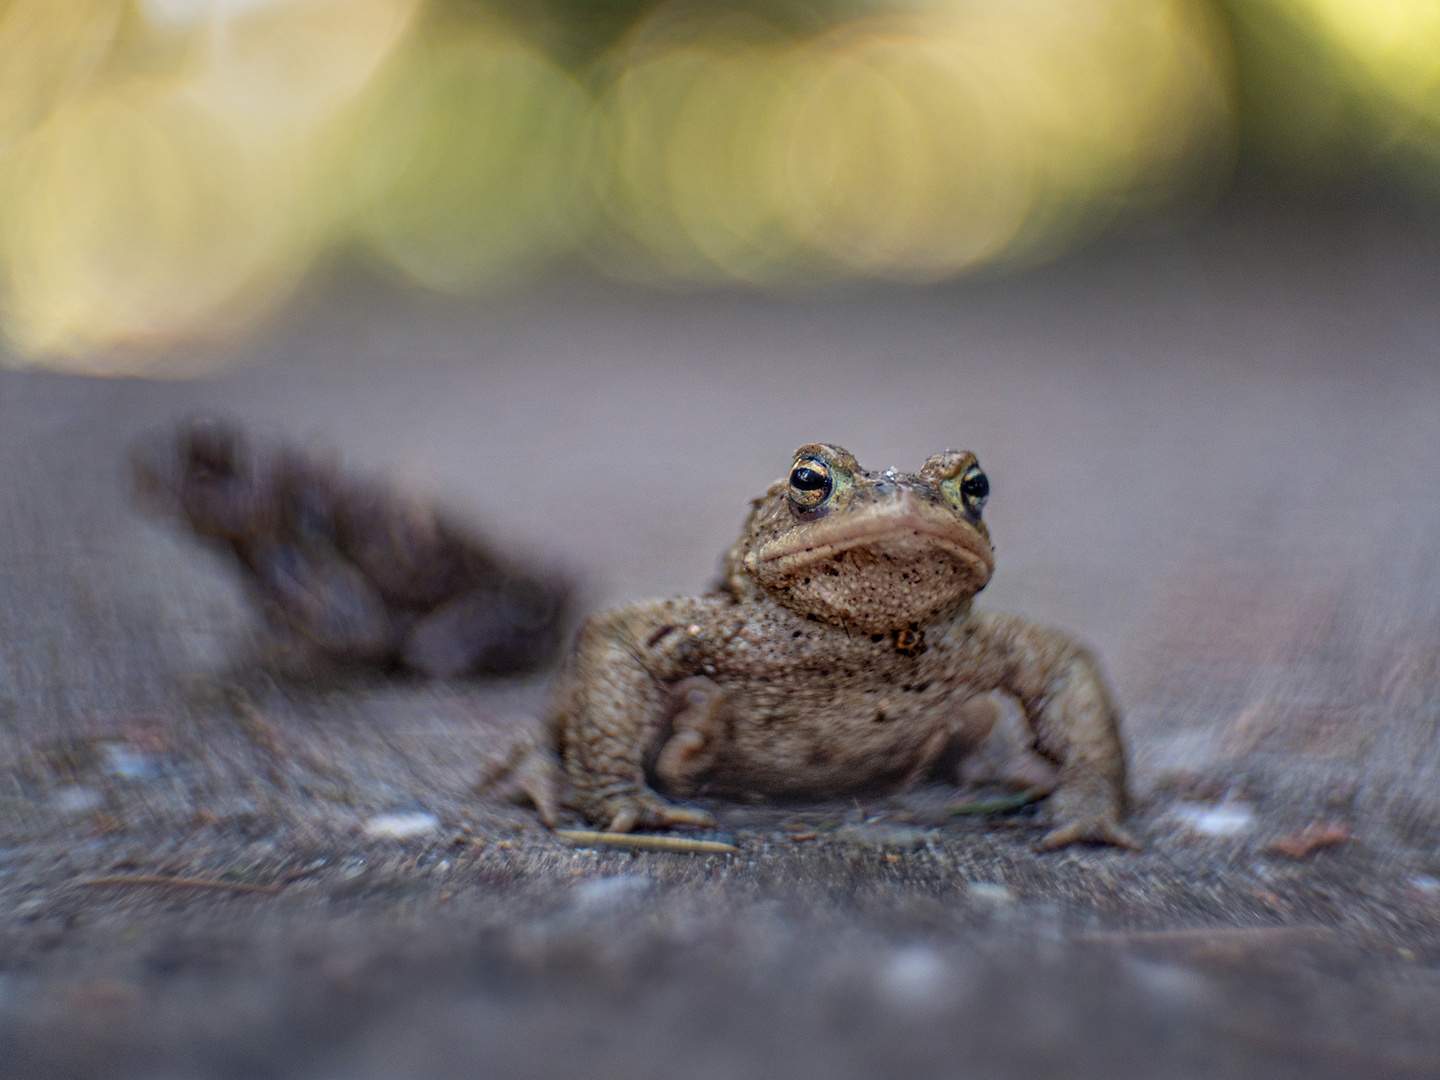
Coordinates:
[1212,456]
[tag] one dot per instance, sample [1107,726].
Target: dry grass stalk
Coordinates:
[643,842]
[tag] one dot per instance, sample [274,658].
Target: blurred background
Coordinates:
[587,272]
[170,170]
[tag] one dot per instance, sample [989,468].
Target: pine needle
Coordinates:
[646,842]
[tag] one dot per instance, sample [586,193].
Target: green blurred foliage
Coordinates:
[469,164]
[1310,119]
[170,168]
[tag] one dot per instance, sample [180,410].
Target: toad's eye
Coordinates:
[974,489]
[810,484]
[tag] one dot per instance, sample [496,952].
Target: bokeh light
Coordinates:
[169,169]
[177,184]
[469,162]
[137,216]
[910,147]
[49,51]
[1335,89]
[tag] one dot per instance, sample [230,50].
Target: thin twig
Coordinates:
[648,843]
[161,881]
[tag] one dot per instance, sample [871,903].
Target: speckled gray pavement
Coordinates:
[1213,455]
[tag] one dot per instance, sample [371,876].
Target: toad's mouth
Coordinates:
[907,530]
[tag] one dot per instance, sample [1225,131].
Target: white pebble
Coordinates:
[1226,819]
[917,981]
[1168,984]
[401,826]
[1424,883]
[607,892]
[119,760]
[76,799]
[989,892]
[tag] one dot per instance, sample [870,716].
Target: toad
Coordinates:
[841,653]
[350,568]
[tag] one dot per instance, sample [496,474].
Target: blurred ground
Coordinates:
[1212,456]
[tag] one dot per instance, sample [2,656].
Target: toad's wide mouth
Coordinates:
[903,527]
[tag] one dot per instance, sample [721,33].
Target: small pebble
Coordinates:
[914,977]
[401,826]
[117,759]
[1168,984]
[76,799]
[1225,819]
[989,892]
[1426,886]
[610,891]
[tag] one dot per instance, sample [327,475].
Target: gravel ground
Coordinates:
[1213,458]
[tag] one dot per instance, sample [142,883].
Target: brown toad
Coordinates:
[352,569]
[839,655]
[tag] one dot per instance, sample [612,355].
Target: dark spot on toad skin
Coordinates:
[909,642]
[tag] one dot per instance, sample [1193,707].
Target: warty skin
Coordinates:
[842,653]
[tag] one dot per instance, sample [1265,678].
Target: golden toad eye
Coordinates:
[974,489]
[810,484]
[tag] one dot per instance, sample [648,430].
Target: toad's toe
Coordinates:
[1097,830]
[652,812]
[528,772]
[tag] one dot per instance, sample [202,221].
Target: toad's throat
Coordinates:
[907,532]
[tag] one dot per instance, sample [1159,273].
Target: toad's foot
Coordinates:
[695,721]
[527,770]
[1094,831]
[1085,817]
[647,810]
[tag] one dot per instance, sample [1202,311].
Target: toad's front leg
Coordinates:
[1076,724]
[611,710]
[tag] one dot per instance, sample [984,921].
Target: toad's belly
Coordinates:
[819,743]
